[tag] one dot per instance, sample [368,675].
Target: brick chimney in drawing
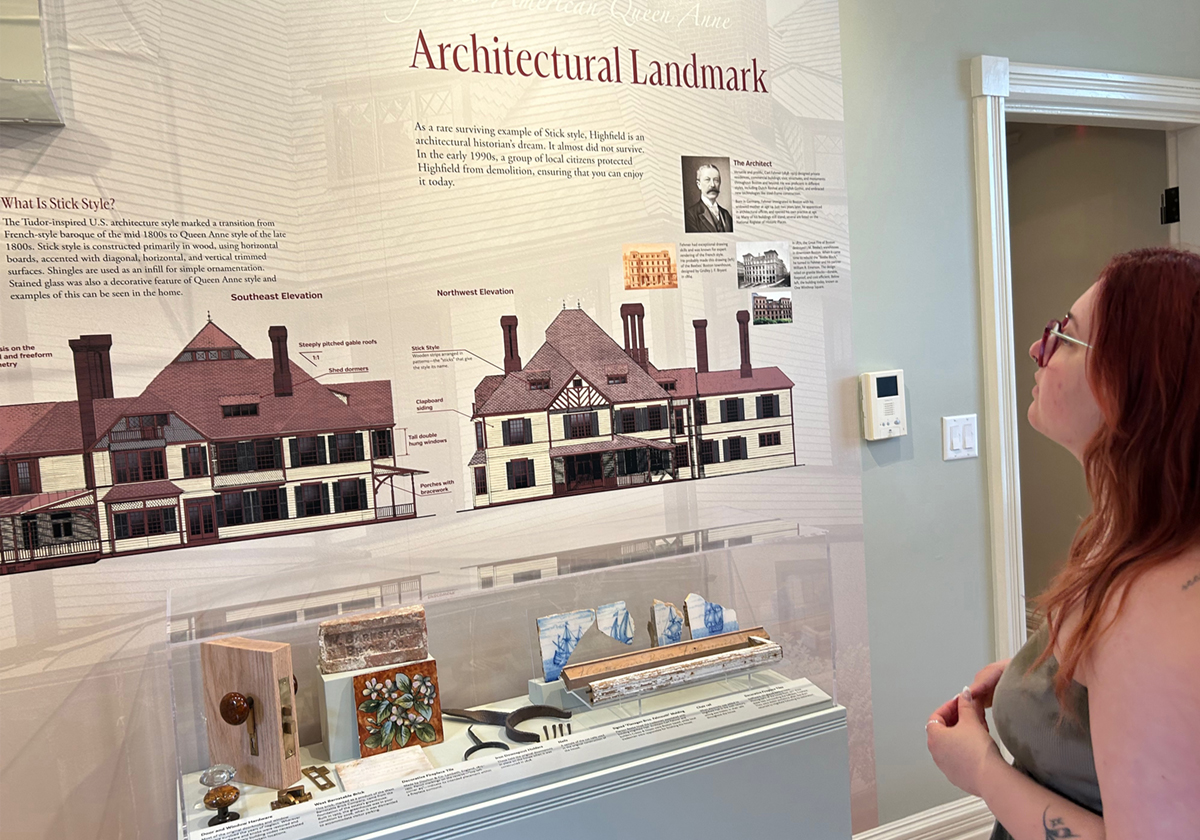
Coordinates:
[633,317]
[701,345]
[743,318]
[93,381]
[279,354]
[512,359]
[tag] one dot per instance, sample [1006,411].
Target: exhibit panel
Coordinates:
[536,317]
[442,694]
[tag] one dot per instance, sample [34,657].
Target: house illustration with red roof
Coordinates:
[219,446]
[586,415]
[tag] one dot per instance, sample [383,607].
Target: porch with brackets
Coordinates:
[48,529]
[389,505]
[619,461]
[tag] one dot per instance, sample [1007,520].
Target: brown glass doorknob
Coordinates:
[221,797]
[235,708]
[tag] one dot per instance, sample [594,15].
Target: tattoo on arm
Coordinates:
[1056,829]
[1193,582]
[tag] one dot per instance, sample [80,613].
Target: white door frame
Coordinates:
[1039,93]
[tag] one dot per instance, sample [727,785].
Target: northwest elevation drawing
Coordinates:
[585,415]
[219,446]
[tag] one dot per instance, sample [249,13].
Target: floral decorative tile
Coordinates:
[398,706]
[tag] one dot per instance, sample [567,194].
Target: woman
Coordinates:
[1102,704]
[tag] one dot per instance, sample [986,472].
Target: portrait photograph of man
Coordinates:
[706,195]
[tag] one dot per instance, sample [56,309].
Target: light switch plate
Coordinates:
[960,437]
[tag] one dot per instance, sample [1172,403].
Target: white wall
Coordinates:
[912,225]
[1077,195]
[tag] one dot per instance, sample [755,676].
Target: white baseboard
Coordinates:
[963,819]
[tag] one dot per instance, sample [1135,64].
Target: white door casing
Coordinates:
[1183,157]
[1044,93]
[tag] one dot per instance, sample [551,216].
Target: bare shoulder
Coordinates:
[1159,624]
[1170,592]
[1144,701]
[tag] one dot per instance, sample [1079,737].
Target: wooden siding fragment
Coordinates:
[643,672]
[639,683]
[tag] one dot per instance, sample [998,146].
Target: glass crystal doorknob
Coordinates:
[217,775]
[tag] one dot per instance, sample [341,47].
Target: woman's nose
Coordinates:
[1035,349]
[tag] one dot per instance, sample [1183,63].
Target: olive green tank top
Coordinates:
[1057,754]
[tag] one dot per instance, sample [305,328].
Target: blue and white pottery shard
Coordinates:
[558,635]
[705,618]
[667,624]
[613,620]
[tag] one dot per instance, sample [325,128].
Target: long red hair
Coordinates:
[1143,465]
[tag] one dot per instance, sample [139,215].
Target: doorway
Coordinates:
[29,533]
[201,521]
[1077,196]
[1007,92]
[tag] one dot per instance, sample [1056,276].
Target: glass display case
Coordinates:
[353,698]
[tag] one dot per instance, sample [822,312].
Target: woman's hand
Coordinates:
[962,750]
[982,690]
[984,686]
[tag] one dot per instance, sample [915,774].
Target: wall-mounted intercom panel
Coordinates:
[882,400]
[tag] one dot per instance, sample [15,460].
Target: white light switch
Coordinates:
[959,438]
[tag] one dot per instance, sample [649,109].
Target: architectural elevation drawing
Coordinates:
[219,446]
[586,415]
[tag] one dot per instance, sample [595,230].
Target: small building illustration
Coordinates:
[219,446]
[586,415]
[771,309]
[765,269]
[650,267]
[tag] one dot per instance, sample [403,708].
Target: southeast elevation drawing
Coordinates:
[584,415]
[219,446]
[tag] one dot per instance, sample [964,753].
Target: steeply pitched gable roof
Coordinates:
[194,391]
[684,378]
[372,401]
[590,349]
[212,337]
[34,428]
[574,344]
[486,387]
[718,382]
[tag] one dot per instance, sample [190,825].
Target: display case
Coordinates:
[353,700]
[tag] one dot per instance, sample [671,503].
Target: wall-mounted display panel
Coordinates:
[468,297]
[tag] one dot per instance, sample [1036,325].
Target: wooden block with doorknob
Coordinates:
[251,710]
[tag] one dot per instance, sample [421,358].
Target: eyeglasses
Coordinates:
[1050,340]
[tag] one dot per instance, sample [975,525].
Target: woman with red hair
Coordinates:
[1101,707]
